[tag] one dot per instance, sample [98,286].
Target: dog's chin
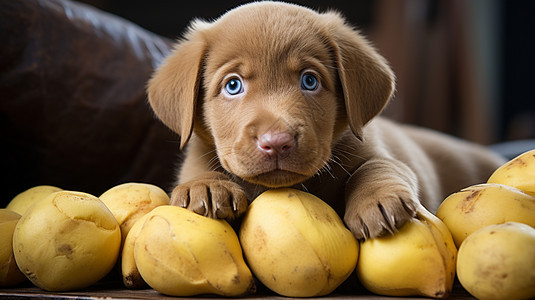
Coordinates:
[277,178]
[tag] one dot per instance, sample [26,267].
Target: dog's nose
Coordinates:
[278,144]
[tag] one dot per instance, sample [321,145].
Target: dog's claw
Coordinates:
[179,197]
[379,216]
[219,199]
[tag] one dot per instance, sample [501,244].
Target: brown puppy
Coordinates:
[277,95]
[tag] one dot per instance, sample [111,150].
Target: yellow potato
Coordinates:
[498,262]
[131,277]
[181,253]
[130,201]
[296,244]
[24,200]
[68,240]
[419,259]
[518,172]
[485,204]
[10,274]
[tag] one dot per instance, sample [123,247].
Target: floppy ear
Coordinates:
[174,88]
[367,81]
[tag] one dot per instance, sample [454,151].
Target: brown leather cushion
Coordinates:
[73,107]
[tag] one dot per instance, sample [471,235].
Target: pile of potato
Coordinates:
[493,226]
[65,240]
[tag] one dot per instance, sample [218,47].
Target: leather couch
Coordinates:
[73,107]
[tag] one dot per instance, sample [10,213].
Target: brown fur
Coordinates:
[372,171]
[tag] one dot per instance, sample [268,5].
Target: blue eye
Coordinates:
[309,82]
[234,86]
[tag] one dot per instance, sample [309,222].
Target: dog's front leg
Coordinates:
[211,194]
[381,196]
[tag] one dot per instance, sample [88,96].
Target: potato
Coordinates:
[24,200]
[519,172]
[498,262]
[68,240]
[296,244]
[181,253]
[485,204]
[130,201]
[10,274]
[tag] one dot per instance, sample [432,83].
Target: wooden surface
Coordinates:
[114,290]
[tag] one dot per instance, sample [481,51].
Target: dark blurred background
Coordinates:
[463,67]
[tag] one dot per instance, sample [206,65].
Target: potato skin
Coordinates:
[10,274]
[66,241]
[24,200]
[485,204]
[498,262]
[181,253]
[130,201]
[296,244]
[518,172]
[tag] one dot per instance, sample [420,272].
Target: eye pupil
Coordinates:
[309,82]
[234,86]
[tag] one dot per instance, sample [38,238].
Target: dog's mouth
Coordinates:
[277,178]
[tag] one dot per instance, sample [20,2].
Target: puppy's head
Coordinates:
[271,86]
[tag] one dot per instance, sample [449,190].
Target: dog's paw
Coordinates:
[219,199]
[382,212]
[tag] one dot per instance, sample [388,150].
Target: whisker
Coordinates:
[335,159]
[341,166]
[207,153]
[327,168]
[346,154]
[213,163]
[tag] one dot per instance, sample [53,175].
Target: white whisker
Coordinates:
[327,168]
[213,163]
[346,154]
[207,153]
[341,166]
